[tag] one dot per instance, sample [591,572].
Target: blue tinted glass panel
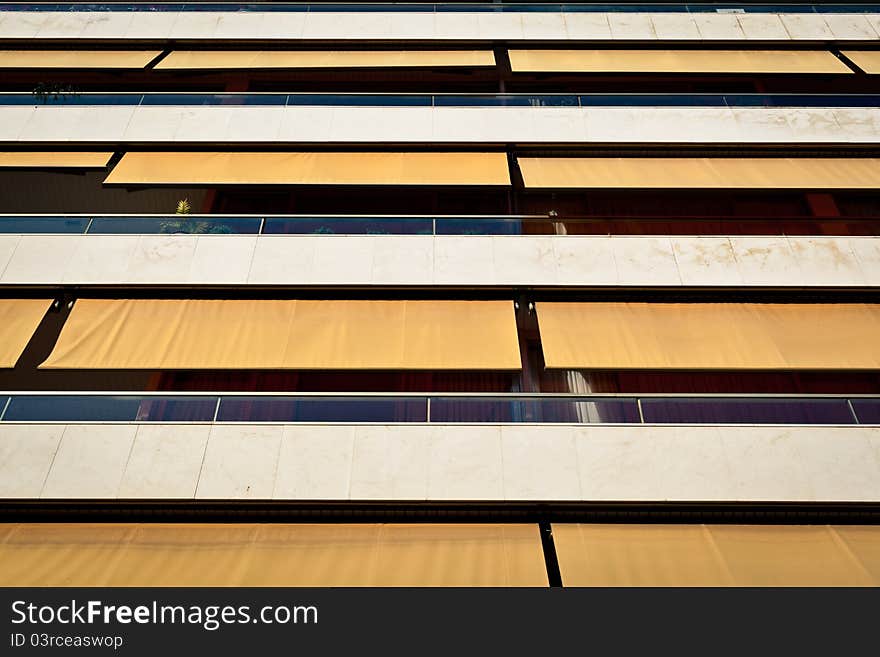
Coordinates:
[109,408]
[175,224]
[322,409]
[348,226]
[214,99]
[553,410]
[802,100]
[653,100]
[867,410]
[479,226]
[43,224]
[360,100]
[506,101]
[746,411]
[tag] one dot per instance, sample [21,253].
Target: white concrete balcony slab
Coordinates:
[442,260]
[440,26]
[441,462]
[229,124]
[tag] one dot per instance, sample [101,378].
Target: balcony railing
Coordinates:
[418,408]
[440,100]
[443,7]
[221,224]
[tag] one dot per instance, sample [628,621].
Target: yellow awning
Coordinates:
[427,168]
[287,334]
[155,554]
[46,160]
[717,555]
[715,336]
[867,60]
[701,172]
[19,319]
[256,59]
[676,61]
[77,58]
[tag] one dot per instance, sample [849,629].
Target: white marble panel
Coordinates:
[12,119]
[584,260]
[381,124]
[540,463]
[587,26]
[341,260]
[390,462]
[631,26]
[645,261]
[282,25]
[826,261]
[806,27]
[103,124]
[860,124]
[529,261]
[457,26]
[765,261]
[165,461]
[305,124]
[315,463]
[195,25]
[222,259]
[839,463]
[765,464]
[618,463]
[874,21]
[690,464]
[815,125]
[239,25]
[53,123]
[765,27]
[675,26]
[161,259]
[158,123]
[412,25]
[40,259]
[465,463]
[107,25]
[461,260]
[8,244]
[704,261]
[851,27]
[22,24]
[253,124]
[26,453]
[718,27]
[240,462]
[867,252]
[543,25]
[203,124]
[62,24]
[558,124]
[355,25]
[151,25]
[99,258]
[90,461]
[494,25]
[404,259]
[764,124]
[283,259]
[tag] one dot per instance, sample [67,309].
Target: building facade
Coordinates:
[429,294]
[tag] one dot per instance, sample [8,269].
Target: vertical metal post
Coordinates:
[428,410]
[88,225]
[217,409]
[262,225]
[641,415]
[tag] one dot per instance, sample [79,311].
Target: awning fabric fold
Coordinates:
[312,168]
[715,336]
[77,58]
[867,60]
[717,555]
[700,172]
[56,159]
[19,318]
[270,554]
[287,334]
